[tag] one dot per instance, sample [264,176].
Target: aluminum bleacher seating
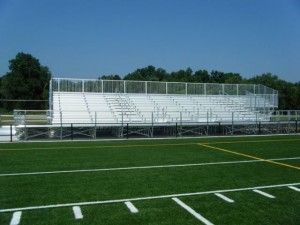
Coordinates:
[91,107]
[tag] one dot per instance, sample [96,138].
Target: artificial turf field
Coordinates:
[229,180]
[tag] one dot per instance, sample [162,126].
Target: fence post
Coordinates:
[127,128]
[232,126]
[219,128]
[122,124]
[11,133]
[186,88]
[95,127]
[181,124]
[146,87]
[296,126]
[166,88]
[72,132]
[152,125]
[61,126]
[25,126]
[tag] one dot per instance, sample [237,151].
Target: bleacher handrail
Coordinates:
[155,87]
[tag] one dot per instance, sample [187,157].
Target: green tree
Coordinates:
[27,80]
[297,86]
[233,78]
[217,77]
[161,75]
[149,73]
[136,75]
[201,76]
[267,79]
[1,96]
[110,77]
[182,75]
[287,91]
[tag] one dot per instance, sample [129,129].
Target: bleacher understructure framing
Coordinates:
[93,108]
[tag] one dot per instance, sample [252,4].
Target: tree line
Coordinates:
[289,93]
[29,80]
[26,85]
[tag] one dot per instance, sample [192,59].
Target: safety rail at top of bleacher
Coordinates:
[156,87]
[163,88]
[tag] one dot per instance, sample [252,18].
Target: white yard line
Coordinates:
[144,198]
[192,211]
[16,218]
[77,212]
[294,188]
[224,198]
[131,207]
[141,167]
[264,194]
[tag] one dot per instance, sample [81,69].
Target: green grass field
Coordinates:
[162,181]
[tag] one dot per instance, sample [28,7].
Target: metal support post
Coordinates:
[72,131]
[61,129]
[25,127]
[95,128]
[152,125]
[232,126]
[11,133]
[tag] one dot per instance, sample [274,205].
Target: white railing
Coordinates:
[155,87]
[43,117]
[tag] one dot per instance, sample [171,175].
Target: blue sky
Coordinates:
[87,39]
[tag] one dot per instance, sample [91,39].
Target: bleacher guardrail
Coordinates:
[155,87]
[281,122]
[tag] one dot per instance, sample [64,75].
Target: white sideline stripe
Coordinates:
[224,198]
[131,207]
[141,167]
[264,194]
[77,212]
[16,218]
[191,211]
[143,198]
[294,188]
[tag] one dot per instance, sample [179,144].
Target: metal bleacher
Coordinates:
[80,108]
[108,102]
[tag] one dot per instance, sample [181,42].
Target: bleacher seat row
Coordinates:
[86,107]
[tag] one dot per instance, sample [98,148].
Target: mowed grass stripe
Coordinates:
[146,198]
[96,146]
[86,159]
[252,141]
[146,167]
[62,188]
[62,160]
[145,145]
